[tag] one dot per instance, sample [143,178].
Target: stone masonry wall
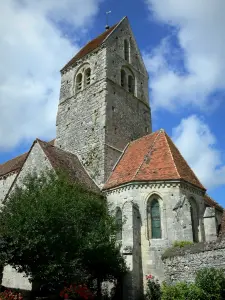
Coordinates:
[36,161]
[80,125]
[175,223]
[128,115]
[182,264]
[5,184]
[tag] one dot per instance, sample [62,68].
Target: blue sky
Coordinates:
[183,46]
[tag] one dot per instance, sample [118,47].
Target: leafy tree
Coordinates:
[56,231]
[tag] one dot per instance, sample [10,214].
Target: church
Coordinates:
[104,139]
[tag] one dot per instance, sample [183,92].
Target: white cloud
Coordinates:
[199,31]
[199,147]
[32,51]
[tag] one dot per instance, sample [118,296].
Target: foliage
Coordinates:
[212,281]
[10,295]
[153,291]
[56,231]
[181,244]
[209,285]
[182,291]
[76,292]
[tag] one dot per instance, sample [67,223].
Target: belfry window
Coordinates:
[87,76]
[126,50]
[131,84]
[123,78]
[119,224]
[154,219]
[79,82]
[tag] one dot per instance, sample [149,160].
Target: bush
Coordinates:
[212,281]
[153,291]
[182,291]
[181,244]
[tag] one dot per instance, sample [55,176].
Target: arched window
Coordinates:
[123,78]
[194,219]
[126,50]
[87,76]
[131,84]
[119,224]
[154,219]
[79,82]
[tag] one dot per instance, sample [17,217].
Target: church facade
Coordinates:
[104,139]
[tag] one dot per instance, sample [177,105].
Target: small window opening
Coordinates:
[88,76]
[131,84]
[126,50]
[123,78]
[79,82]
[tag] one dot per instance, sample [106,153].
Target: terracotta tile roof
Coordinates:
[15,164]
[89,47]
[150,158]
[68,162]
[212,203]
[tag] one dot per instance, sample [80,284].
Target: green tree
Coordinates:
[56,231]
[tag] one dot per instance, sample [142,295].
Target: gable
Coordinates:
[89,47]
[115,43]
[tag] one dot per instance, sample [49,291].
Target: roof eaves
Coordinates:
[28,153]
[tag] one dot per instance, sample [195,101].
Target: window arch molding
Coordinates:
[128,79]
[85,71]
[154,216]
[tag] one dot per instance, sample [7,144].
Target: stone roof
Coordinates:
[15,164]
[68,162]
[89,47]
[153,157]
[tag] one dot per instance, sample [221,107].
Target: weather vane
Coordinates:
[107,19]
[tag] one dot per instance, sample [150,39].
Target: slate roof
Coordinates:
[89,47]
[15,164]
[153,157]
[69,163]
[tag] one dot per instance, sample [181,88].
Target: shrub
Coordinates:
[10,295]
[212,281]
[181,244]
[182,291]
[153,291]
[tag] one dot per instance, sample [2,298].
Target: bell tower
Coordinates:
[103,101]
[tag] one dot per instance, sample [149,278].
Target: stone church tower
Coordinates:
[105,142]
[103,101]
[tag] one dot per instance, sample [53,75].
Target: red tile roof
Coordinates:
[150,158]
[15,164]
[208,200]
[89,47]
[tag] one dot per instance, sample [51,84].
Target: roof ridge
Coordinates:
[190,168]
[149,152]
[165,135]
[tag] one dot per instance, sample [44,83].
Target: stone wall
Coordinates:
[36,162]
[97,122]
[182,264]
[5,184]
[176,222]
